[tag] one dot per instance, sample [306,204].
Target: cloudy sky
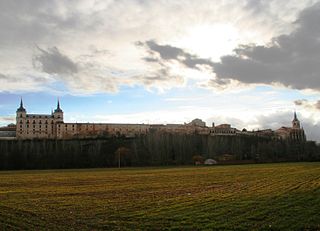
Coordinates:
[250,63]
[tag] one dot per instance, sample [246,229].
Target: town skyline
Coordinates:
[52,126]
[132,61]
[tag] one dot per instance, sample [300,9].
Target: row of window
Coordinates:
[223,131]
[34,122]
[27,126]
[34,132]
[40,117]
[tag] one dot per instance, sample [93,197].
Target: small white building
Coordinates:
[210,162]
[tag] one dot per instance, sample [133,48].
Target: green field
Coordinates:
[242,197]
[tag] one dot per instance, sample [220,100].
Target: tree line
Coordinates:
[152,149]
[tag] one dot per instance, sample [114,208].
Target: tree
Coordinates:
[197,159]
[121,153]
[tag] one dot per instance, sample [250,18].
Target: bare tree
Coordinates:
[121,152]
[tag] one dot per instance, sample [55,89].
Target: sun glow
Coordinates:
[210,41]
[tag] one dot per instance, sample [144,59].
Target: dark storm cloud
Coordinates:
[168,52]
[52,61]
[150,60]
[307,104]
[292,60]
[300,102]
[161,74]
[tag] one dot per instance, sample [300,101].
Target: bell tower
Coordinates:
[295,121]
[21,120]
[58,113]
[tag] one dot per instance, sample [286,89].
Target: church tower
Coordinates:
[295,121]
[21,120]
[58,113]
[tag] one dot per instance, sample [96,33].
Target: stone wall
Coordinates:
[92,130]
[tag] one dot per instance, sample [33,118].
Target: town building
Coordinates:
[8,131]
[52,126]
[294,133]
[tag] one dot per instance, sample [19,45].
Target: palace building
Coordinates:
[29,126]
[52,126]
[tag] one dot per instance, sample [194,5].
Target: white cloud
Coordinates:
[5,120]
[96,38]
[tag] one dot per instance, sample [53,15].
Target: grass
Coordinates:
[243,197]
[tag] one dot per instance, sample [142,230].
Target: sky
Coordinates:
[250,63]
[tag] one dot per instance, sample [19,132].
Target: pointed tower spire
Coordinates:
[295,116]
[21,108]
[58,107]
